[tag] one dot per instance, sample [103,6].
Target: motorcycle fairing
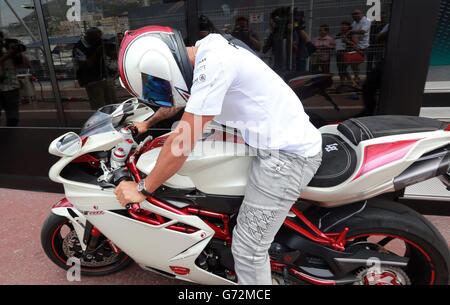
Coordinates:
[200,172]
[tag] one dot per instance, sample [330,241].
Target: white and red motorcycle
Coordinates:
[341,231]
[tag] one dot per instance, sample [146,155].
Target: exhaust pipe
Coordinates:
[434,164]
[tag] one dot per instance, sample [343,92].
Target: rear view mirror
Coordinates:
[69,145]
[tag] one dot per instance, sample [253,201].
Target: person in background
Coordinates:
[272,44]
[302,44]
[11,59]
[344,43]
[373,82]
[361,29]
[324,44]
[376,48]
[91,69]
[279,40]
[242,32]
[303,48]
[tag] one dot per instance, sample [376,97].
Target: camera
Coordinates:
[284,16]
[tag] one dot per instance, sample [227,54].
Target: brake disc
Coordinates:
[377,276]
[101,257]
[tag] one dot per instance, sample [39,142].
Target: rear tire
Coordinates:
[384,217]
[52,243]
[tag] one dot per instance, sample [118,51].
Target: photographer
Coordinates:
[287,40]
[242,32]
[11,58]
[92,73]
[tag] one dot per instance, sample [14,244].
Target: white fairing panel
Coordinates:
[158,247]
[213,168]
[222,168]
[379,180]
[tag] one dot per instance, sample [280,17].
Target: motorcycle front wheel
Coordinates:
[61,245]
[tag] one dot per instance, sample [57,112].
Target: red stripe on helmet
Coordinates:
[129,37]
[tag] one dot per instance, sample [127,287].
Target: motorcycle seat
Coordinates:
[338,163]
[366,128]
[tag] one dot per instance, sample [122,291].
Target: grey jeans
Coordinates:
[275,183]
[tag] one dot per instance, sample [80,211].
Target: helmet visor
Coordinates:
[157,91]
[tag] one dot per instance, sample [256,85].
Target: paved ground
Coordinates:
[22,260]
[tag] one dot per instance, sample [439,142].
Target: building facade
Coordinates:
[406,51]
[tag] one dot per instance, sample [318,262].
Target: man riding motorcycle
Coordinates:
[218,80]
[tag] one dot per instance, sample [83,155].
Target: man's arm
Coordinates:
[173,155]
[269,44]
[359,32]
[256,43]
[177,149]
[160,115]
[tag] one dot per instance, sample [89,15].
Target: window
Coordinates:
[440,60]
[26,96]
[298,38]
[85,41]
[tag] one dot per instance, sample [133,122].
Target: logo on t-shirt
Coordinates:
[201,79]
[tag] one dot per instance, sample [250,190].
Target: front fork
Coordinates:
[65,209]
[88,235]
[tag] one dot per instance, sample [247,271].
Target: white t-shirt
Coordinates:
[242,92]
[364,24]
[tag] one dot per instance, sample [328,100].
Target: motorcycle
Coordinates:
[342,231]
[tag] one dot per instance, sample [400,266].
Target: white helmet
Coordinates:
[154,66]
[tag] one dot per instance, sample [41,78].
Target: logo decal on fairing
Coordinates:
[96,211]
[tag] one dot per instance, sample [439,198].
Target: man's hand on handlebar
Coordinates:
[141,127]
[127,193]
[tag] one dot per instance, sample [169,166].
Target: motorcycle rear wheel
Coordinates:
[385,222]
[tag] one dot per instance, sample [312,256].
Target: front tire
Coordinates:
[385,222]
[56,235]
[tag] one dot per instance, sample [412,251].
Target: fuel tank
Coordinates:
[214,167]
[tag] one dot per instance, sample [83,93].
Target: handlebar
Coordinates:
[133,129]
[133,206]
